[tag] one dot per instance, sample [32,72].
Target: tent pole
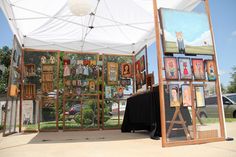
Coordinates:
[160,77]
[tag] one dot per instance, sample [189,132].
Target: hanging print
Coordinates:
[171,68]
[186,95]
[174,95]
[200,96]
[198,69]
[211,73]
[185,69]
[186,32]
[112,70]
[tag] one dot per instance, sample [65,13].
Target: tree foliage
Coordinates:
[5,59]
[232,85]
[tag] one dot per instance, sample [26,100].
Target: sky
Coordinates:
[223,14]
[181,21]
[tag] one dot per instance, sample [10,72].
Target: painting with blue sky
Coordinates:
[186,32]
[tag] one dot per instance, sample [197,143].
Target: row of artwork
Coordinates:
[112,72]
[112,92]
[187,72]
[174,93]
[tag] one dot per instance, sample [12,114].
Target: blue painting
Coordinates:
[186,32]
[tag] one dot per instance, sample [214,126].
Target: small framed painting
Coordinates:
[211,72]
[92,86]
[171,68]
[120,92]
[186,95]
[174,95]
[185,69]
[126,70]
[112,76]
[125,82]
[198,69]
[137,67]
[142,63]
[108,92]
[200,96]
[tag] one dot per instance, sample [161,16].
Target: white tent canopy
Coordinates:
[117,26]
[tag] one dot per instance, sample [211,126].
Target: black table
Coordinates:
[143,113]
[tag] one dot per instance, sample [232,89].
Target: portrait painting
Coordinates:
[210,67]
[186,32]
[200,96]
[120,92]
[174,95]
[198,69]
[142,63]
[185,69]
[137,67]
[126,70]
[186,95]
[112,73]
[171,68]
[108,92]
[92,86]
[125,82]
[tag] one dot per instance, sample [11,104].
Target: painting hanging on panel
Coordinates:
[126,70]
[210,67]
[186,32]
[198,69]
[200,96]
[171,68]
[186,95]
[185,69]
[174,95]
[112,70]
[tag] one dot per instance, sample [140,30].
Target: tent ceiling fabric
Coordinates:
[118,26]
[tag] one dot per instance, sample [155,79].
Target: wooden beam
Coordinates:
[160,77]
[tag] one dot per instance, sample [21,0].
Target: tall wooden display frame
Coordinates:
[95,95]
[161,79]
[115,100]
[26,50]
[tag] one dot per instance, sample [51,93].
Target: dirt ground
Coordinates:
[110,143]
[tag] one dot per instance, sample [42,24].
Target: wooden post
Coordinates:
[22,89]
[218,91]
[160,77]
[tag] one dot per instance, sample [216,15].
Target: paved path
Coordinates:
[110,143]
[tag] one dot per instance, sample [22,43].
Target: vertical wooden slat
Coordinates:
[103,127]
[218,91]
[22,89]
[160,77]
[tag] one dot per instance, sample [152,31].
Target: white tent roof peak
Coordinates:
[117,26]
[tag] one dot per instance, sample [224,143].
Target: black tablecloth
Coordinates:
[143,113]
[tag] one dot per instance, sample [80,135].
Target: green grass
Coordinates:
[172,47]
[1,127]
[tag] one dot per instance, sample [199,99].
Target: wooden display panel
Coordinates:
[209,136]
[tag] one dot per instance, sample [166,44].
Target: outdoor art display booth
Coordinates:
[75,72]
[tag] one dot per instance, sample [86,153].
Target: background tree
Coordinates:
[232,85]
[5,59]
[223,89]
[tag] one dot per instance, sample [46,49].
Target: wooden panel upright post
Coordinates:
[22,90]
[218,91]
[160,77]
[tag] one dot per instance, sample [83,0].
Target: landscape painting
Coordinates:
[186,32]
